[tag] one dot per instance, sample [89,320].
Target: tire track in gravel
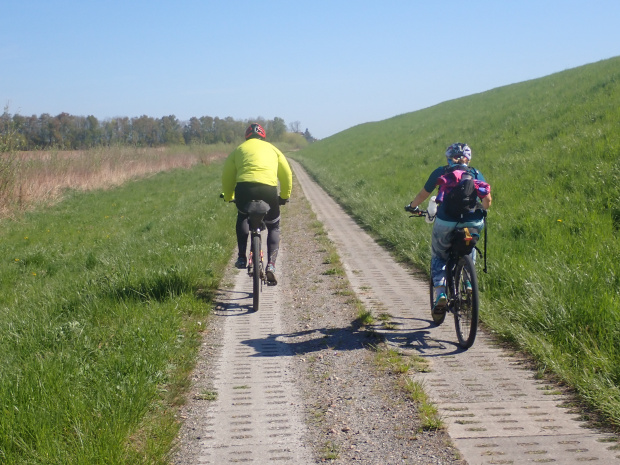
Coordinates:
[495,409]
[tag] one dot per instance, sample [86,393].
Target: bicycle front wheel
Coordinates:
[466,302]
[256,239]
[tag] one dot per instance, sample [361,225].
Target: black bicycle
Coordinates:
[256,210]
[463,299]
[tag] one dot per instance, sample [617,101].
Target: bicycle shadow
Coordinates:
[311,341]
[230,303]
[354,337]
[424,339]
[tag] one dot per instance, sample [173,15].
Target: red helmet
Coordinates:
[255,130]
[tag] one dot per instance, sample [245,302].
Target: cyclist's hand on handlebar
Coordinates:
[282,201]
[415,211]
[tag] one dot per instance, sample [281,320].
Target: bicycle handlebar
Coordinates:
[416,212]
[281,201]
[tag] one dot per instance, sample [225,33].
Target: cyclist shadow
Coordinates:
[398,335]
[424,339]
[314,340]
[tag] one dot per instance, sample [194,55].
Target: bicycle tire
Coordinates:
[256,244]
[466,304]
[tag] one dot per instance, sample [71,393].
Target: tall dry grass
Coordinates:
[42,177]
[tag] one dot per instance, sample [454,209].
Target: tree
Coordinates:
[93,132]
[276,129]
[171,132]
[207,135]
[144,131]
[65,131]
[295,126]
[192,132]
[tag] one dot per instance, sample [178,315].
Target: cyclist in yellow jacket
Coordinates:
[252,172]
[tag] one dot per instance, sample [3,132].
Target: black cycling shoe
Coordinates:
[241,263]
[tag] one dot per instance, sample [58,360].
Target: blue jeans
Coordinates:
[440,243]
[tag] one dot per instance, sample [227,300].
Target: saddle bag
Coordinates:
[464,240]
[256,211]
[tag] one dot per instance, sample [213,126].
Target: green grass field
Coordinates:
[550,149]
[103,298]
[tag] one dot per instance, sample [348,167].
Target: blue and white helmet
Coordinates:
[456,151]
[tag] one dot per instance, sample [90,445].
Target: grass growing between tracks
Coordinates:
[400,365]
[549,148]
[102,301]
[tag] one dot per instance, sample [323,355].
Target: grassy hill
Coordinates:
[550,148]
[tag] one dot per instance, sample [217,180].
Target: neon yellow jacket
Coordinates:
[256,160]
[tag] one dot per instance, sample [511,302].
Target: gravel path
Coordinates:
[336,393]
[351,404]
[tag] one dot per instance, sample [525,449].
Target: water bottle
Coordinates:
[432,210]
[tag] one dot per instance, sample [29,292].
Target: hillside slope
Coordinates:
[549,148]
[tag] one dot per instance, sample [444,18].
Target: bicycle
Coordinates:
[463,299]
[256,211]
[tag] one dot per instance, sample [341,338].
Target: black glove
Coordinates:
[282,201]
[415,211]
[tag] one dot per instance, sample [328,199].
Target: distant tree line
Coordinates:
[67,132]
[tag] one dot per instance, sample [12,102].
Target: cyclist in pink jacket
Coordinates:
[446,177]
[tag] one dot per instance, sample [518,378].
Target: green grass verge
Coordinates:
[103,299]
[549,147]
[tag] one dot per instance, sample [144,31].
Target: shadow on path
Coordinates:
[229,303]
[354,337]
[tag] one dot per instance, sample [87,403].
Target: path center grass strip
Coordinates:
[102,300]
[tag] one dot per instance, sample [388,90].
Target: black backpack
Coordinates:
[462,198]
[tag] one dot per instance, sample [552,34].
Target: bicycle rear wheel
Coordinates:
[256,243]
[466,302]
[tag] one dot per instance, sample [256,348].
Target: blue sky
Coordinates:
[328,64]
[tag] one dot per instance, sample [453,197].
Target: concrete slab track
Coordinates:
[256,417]
[495,409]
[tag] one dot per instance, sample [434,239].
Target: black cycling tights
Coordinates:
[273,237]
